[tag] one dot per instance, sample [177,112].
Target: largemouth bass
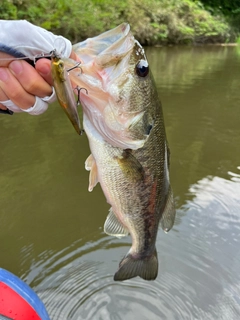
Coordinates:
[64,91]
[122,117]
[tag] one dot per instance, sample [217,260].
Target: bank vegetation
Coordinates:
[153,22]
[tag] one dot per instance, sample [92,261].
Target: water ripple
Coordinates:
[198,267]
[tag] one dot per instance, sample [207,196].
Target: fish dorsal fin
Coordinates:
[90,165]
[113,227]
[169,212]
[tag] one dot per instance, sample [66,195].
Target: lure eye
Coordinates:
[61,65]
[142,68]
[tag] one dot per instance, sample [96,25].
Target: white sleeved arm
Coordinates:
[21,37]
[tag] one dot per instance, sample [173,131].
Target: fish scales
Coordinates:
[129,151]
[138,199]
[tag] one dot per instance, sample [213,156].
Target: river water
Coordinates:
[52,227]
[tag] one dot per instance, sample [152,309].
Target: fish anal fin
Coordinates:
[113,227]
[90,165]
[169,213]
[131,266]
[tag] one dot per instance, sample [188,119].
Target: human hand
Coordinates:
[23,87]
[21,83]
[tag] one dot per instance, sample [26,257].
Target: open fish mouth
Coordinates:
[108,76]
[107,46]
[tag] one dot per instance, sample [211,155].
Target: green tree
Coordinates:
[8,10]
[152,21]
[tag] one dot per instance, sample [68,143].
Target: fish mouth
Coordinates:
[105,77]
[109,44]
[101,57]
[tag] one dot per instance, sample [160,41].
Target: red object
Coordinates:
[12,305]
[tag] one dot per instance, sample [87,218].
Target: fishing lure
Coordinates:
[64,91]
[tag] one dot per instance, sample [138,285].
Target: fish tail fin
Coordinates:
[144,267]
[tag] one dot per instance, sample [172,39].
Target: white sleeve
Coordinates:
[23,37]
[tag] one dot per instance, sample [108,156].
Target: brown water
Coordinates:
[51,226]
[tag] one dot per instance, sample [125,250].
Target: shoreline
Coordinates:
[233,44]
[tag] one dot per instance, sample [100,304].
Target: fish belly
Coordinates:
[132,198]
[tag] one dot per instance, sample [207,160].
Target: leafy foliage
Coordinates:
[175,21]
[230,8]
[8,10]
[152,21]
[225,6]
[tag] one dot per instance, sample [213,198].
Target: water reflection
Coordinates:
[178,68]
[51,227]
[197,263]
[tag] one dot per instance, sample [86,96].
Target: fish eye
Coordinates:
[142,68]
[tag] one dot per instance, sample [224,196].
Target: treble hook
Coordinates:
[78,95]
[74,67]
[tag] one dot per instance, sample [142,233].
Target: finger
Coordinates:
[43,67]
[29,78]
[14,91]
[3,96]
[2,107]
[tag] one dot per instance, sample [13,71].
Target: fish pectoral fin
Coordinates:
[132,266]
[169,213]
[113,227]
[90,165]
[130,166]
